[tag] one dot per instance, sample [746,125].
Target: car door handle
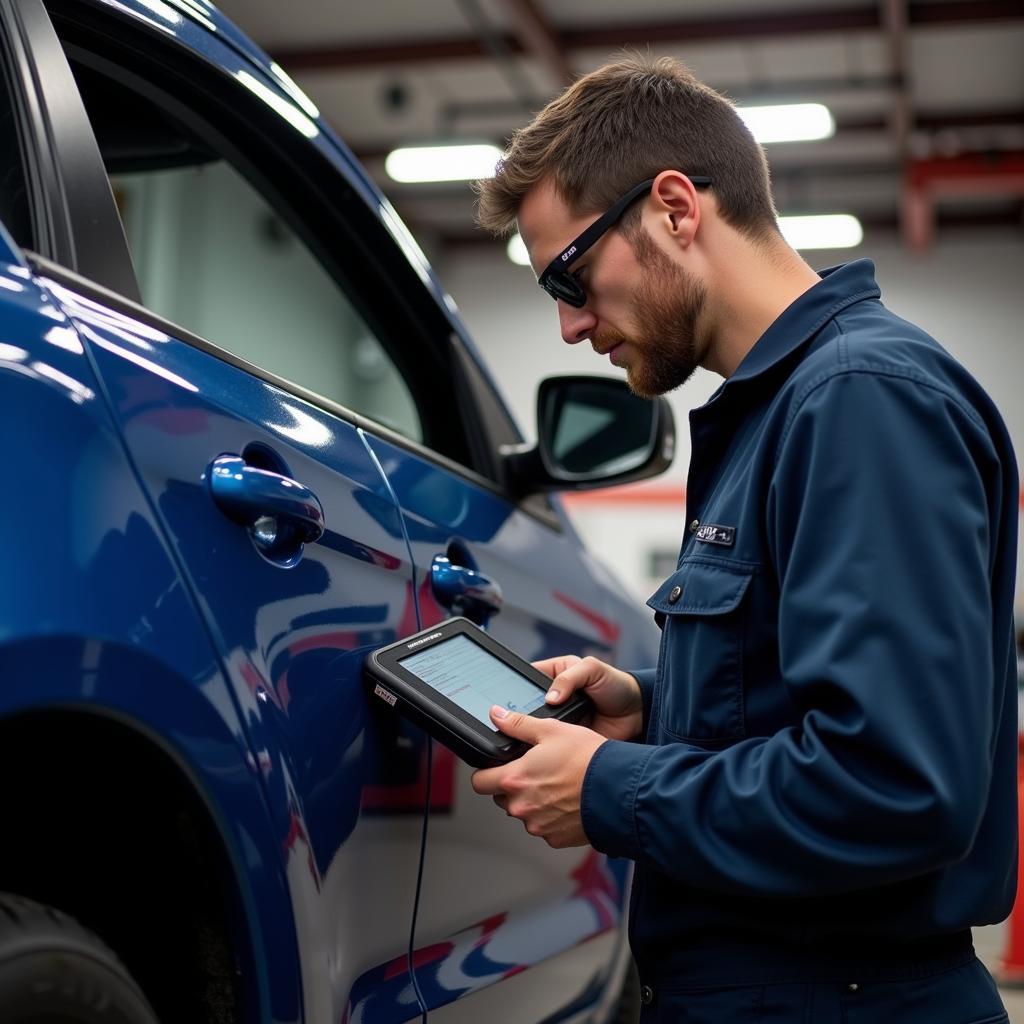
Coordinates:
[270,504]
[465,591]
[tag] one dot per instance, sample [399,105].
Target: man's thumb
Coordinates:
[516,724]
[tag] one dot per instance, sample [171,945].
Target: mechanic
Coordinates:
[817,782]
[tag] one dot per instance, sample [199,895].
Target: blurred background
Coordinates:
[915,141]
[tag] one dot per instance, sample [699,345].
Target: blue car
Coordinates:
[247,441]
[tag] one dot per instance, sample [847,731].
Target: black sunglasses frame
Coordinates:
[556,280]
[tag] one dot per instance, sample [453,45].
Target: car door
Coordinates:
[496,900]
[285,528]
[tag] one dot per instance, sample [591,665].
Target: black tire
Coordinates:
[53,971]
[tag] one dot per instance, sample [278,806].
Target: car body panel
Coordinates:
[292,639]
[484,876]
[121,613]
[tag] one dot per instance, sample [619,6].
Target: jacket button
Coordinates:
[646,995]
[695,526]
[674,594]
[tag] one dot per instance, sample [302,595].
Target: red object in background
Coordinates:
[1011,964]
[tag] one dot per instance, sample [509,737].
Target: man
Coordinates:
[817,782]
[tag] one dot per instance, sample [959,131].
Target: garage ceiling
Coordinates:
[911,84]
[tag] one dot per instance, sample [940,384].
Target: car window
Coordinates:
[211,254]
[14,202]
[216,256]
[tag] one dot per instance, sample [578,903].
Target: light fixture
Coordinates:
[516,250]
[789,122]
[442,163]
[822,231]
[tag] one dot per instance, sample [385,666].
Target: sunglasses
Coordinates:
[556,279]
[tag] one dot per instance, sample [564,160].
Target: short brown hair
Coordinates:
[622,124]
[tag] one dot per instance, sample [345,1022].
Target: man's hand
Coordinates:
[616,694]
[542,788]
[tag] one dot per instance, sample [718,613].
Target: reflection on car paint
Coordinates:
[493,949]
[609,631]
[134,357]
[282,107]
[65,338]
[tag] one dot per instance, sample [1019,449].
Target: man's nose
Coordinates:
[577,324]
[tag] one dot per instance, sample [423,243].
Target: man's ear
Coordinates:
[675,207]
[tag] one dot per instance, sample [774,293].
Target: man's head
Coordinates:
[643,285]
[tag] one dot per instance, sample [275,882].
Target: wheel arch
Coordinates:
[129,804]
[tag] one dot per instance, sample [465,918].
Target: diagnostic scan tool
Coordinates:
[446,678]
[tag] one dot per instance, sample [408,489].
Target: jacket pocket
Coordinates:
[699,693]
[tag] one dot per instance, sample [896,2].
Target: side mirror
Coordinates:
[591,432]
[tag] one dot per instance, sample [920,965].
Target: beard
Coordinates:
[668,305]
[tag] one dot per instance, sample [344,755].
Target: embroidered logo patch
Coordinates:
[711,534]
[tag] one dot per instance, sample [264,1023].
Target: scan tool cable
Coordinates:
[419,881]
[411,950]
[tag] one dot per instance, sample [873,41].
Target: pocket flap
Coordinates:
[705,589]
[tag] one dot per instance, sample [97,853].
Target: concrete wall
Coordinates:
[968,291]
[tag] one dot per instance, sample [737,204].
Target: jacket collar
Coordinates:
[838,288]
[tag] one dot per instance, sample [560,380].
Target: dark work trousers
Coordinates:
[961,995]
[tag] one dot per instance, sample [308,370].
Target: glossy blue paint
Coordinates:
[99,605]
[291,638]
[281,515]
[462,590]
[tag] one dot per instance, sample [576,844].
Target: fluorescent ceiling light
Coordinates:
[442,163]
[789,122]
[825,231]
[517,251]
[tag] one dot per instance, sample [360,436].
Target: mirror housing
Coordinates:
[591,432]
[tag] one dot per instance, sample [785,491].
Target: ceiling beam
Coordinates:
[863,17]
[969,174]
[540,40]
[895,18]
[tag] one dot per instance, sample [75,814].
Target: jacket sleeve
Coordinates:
[879,529]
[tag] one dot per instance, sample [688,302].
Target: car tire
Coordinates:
[54,970]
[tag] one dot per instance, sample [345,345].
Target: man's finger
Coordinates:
[553,666]
[516,724]
[568,679]
[487,781]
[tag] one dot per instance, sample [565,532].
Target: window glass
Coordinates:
[14,208]
[212,255]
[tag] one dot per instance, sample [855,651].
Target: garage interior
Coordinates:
[927,153]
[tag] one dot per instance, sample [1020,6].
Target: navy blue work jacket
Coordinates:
[831,731]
